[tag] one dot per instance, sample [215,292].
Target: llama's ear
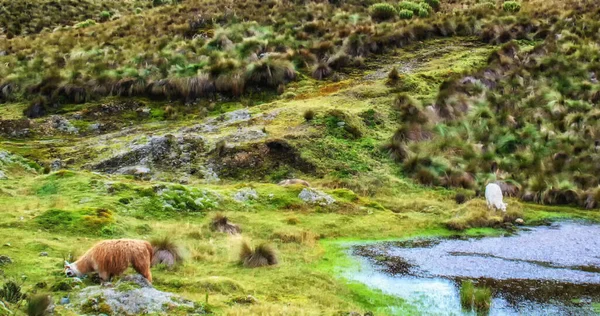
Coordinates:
[67,264]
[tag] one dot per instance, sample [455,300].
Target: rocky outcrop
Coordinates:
[316,197]
[15,128]
[256,160]
[132,295]
[159,152]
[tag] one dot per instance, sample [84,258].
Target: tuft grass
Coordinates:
[166,252]
[261,256]
[475,298]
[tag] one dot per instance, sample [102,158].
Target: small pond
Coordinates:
[547,270]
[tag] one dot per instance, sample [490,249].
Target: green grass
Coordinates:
[60,213]
[211,264]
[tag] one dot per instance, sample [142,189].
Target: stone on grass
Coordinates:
[132,295]
[313,196]
[5,260]
[519,221]
[245,194]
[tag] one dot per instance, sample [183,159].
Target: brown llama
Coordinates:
[112,257]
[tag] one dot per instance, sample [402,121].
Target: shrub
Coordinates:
[11,292]
[460,198]
[309,115]
[105,15]
[410,110]
[393,76]
[382,11]
[511,6]
[166,252]
[423,13]
[435,4]
[221,223]
[321,71]
[261,256]
[270,73]
[406,14]
[409,5]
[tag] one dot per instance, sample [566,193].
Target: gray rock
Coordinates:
[64,301]
[519,221]
[3,175]
[140,172]
[317,197]
[245,194]
[167,151]
[210,175]
[43,254]
[246,135]
[238,116]
[5,260]
[143,112]
[56,165]
[132,296]
[62,124]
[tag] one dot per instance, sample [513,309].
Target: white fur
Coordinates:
[493,196]
[70,267]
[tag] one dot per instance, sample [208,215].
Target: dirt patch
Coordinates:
[256,161]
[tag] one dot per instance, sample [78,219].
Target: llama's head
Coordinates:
[503,207]
[71,270]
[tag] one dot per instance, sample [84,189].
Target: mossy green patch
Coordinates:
[83,221]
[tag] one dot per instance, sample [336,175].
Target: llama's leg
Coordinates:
[105,278]
[143,268]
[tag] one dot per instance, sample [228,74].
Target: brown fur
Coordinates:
[112,257]
[287,182]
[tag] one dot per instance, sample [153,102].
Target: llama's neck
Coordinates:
[83,266]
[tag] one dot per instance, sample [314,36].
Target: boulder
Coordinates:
[5,260]
[132,295]
[519,221]
[166,151]
[317,197]
[245,194]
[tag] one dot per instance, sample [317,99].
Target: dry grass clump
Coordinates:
[166,252]
[302,237]
[220,223]
[39,305]
[261,256]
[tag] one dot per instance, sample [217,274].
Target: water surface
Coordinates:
[549,270]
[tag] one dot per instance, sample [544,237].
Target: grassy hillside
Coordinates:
[153,120]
